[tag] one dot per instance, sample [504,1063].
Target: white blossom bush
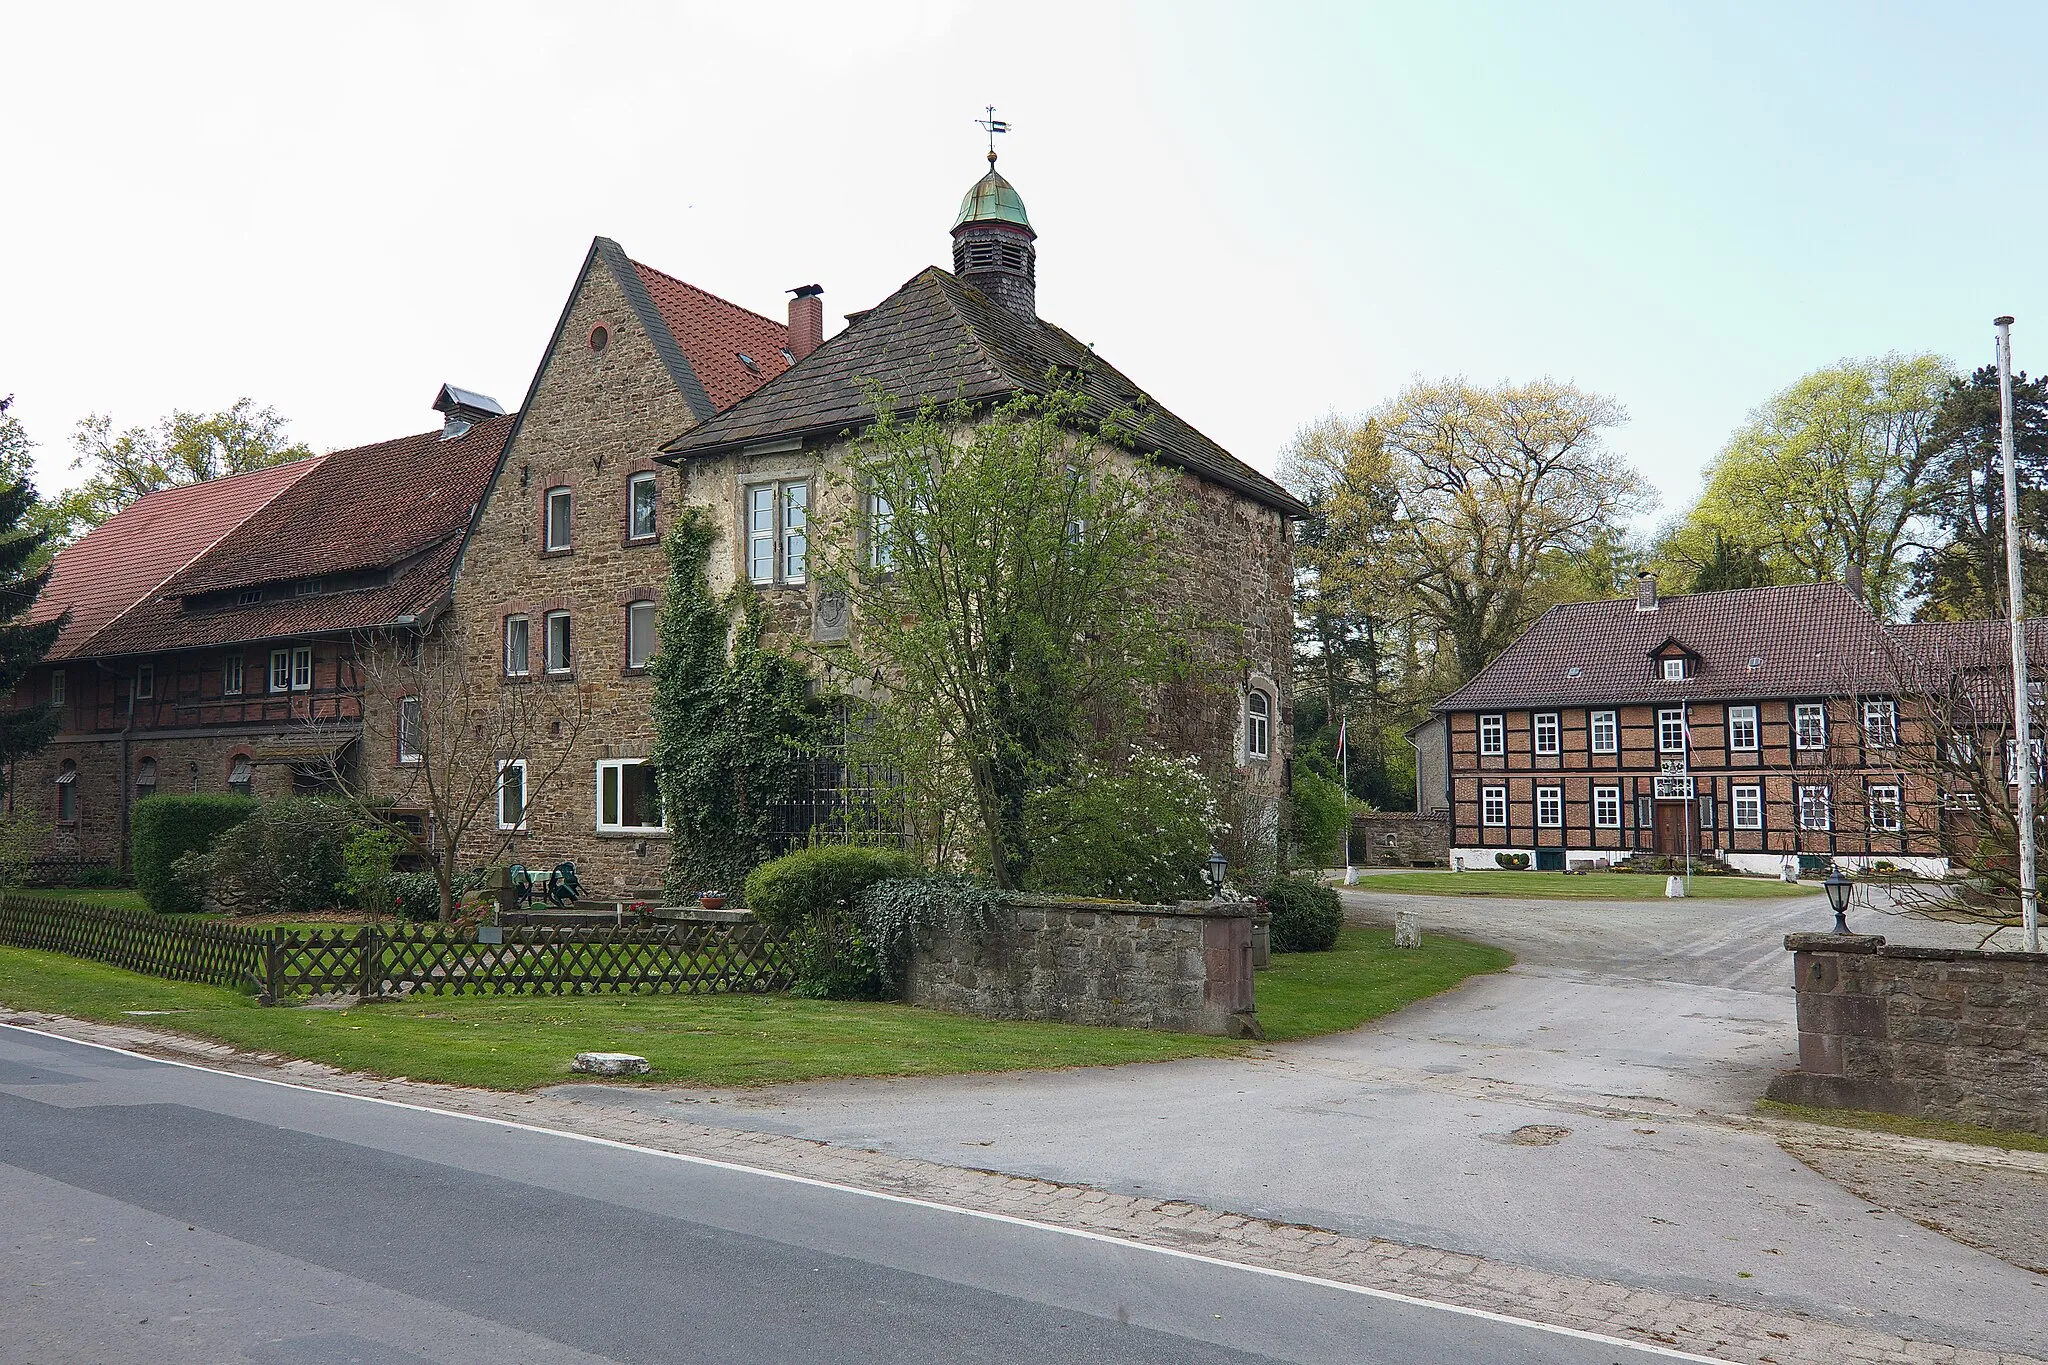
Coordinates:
[1140,833]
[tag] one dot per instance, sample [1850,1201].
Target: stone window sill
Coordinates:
[633,672]
[562,553]
[640,542]
[630,836]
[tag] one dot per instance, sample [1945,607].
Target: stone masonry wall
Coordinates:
[1401,839]
[1185,968]
[1939,1033]
[596,419]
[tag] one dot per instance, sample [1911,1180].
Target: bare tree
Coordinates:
[472,751]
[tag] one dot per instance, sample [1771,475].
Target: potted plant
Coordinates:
[711,900]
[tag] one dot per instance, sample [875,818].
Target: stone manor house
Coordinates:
[217,631]
[1754,726]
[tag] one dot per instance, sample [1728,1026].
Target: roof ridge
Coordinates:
[220,479]
[700,289]
[82,651]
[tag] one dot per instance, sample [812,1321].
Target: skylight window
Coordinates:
[788,356]
[1575,672]
[748,361]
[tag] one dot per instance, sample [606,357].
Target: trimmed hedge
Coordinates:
[167,827]
[810,895]
[1306,915]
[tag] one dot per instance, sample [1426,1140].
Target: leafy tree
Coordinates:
[1498,487]
[24,571]
[1009,574]
[1831,479]
[1732,566]
[734,724]
[185,447]
[1963,576]
[18,465]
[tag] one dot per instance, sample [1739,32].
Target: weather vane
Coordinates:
[994,126]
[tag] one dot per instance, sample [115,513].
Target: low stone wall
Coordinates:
[1401,839]
[1940,1033]
[1186,967]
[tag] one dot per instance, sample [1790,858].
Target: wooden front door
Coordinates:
[1668,834]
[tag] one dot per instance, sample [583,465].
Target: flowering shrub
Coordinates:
[1142,834]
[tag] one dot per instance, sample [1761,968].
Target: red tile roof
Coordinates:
[124,561]
[368,507]
[714,334]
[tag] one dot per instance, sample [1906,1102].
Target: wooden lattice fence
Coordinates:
[687,958]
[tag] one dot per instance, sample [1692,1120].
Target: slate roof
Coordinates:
[123,561]
[937,339]
[1807,640]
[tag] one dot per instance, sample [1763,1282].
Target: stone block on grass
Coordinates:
[610,1064]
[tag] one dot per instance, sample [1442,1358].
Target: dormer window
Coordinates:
[248,597]
[1674,670]
[307,587]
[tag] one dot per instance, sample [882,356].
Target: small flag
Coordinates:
[1343,733]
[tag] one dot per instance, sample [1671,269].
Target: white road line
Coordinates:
[1367,1291]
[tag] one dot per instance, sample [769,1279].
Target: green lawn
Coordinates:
[516,1043]
[1907,1126]
[111,898]
[1593,886]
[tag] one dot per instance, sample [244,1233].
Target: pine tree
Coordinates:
[23,574]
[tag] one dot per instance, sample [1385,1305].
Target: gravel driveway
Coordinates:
[1568,1114]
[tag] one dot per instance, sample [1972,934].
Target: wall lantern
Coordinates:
[1838,887]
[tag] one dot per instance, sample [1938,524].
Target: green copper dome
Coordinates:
[992,201]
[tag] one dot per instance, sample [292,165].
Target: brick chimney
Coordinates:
[1646,591]
[806,320]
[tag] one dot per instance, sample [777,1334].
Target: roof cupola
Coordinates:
[992,237]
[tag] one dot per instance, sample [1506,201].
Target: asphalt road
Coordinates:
[153,1212]
[1629,1028]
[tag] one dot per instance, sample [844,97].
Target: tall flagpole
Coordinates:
[1344,756]
[2023,747]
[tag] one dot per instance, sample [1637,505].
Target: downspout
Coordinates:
[127,789]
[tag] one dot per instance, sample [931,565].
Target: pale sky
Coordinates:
[1260,212]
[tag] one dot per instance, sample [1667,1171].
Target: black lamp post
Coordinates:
[1837,886]
[1217,867]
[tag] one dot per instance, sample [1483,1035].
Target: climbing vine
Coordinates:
[734,723]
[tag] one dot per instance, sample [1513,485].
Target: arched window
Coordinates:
[67,792]
[1258,725]
[241,776]
[145,778]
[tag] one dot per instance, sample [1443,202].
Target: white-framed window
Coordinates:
[1493,735]
[56,687]
[1809,725]
[1549,807]
[881,524]
[518,646]
[1674,670]
[559,659]
[1258,724]
[1671,730]
[559,520]
[231,676]
[67,792]
[1816,808]
[1962,749]
[1959,800]
[778,531]
[628,798]
[1493,807]
[1742,730]
[242,777]
[280,670]
[643,499]
[1886,810]
[1880,724]
[1546,732]
[145,681]
[1606,733]
[2012,761]
[302,668]
[512,793]
[1607,808]
[639,633]
[1748,804]
[412,730]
